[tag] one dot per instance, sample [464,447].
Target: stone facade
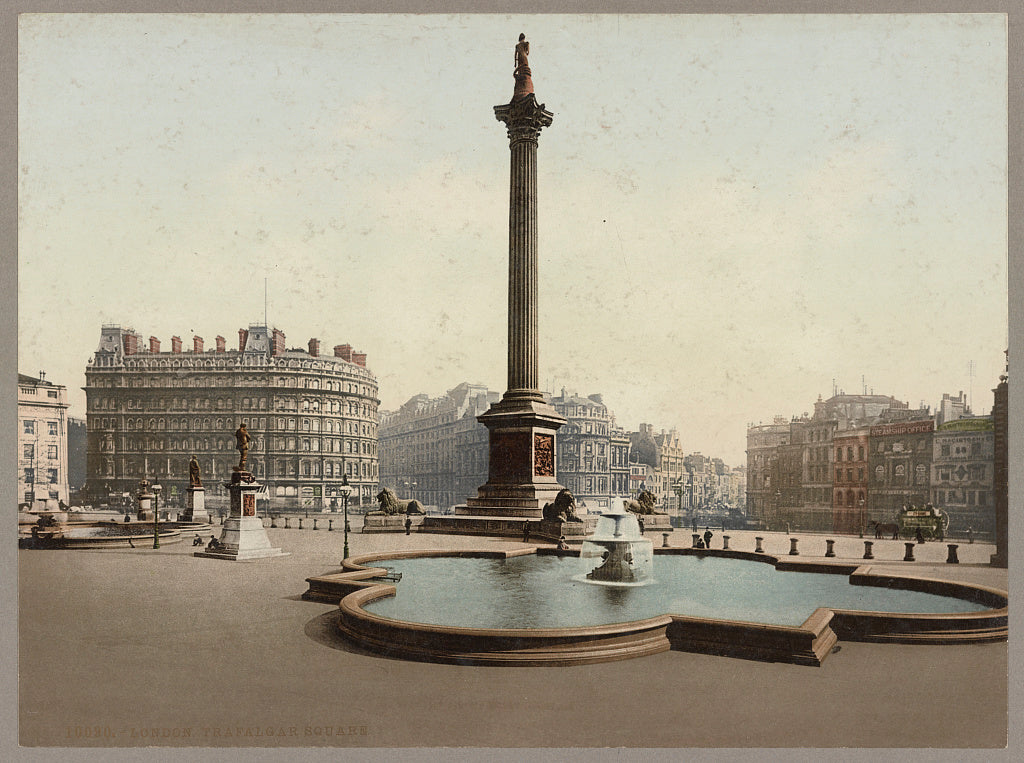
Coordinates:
[962,473]
[434,449]
[42,440]
[763,441]
[585,449]
[313,419]
[899,464]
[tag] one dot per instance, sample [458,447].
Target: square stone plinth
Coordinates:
[241,539]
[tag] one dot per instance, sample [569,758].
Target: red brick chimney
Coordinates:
[243,335]
[131,343]
[343,351]
[314,347]
[221,344]
[175,344]
[277,348]
[197,344]
[359,358]
[154,344]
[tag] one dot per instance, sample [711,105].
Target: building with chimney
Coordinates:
[42,441]
[313,417]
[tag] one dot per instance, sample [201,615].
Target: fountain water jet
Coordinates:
[618,549]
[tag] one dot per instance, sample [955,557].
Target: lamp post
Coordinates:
[345,490]
[861,517]
[157,487]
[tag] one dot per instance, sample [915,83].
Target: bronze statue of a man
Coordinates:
[522,52]
[242,440]
[194,480]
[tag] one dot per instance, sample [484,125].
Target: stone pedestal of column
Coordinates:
[195,505]
[243,536]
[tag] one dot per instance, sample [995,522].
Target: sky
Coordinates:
[737,213]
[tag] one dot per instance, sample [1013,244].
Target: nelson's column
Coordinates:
[522,425]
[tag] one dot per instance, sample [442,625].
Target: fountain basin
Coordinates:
[978,614]
[111,534]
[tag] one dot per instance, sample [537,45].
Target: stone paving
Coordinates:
[140,647]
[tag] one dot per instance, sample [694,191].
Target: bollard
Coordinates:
[792,547]
[286,525]
[300,523]
[273,521]
[330,525]
[909,556]
[664,540]
[758,550]
[867,549]
[725,542]
[695,538]
[952,557]
[829,551]
[314,524]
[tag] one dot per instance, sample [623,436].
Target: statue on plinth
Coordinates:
[644,503]
[563,509]
[194,480]
[242,440]
[391,505]
[524,83]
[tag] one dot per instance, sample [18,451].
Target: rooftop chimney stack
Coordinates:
[359,358]
[154,344]
[343,351]
[197,344]
[243,335]
[314,347]
[221,344]
[175,344]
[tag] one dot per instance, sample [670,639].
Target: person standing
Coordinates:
[708,535]
[526,532]
[408,525]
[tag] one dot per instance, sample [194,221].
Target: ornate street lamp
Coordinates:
[156,488]
[345,489]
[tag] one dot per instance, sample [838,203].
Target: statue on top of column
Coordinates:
[524,83]
[522,51]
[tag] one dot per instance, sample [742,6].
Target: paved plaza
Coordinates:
[126,647]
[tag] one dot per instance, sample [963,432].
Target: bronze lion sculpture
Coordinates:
[644,503]
[562,509]
[390,505]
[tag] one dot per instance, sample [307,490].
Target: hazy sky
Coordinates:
[734,210]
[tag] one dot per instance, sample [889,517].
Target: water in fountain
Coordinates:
[617,553]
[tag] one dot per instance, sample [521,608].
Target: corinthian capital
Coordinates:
[524,118]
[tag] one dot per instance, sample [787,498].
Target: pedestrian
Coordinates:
[526,532]
[132,545]
[640,521]
[562,545]
[699,544]
[198,541]
[919,536]
[408,525]
[970,535]
[708,535]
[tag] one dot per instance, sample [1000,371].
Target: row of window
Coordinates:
[28,475]
[29,451]
[29,427]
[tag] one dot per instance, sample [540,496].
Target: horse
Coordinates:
[882,530]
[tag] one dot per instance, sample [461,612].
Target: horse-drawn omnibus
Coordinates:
[931,521]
